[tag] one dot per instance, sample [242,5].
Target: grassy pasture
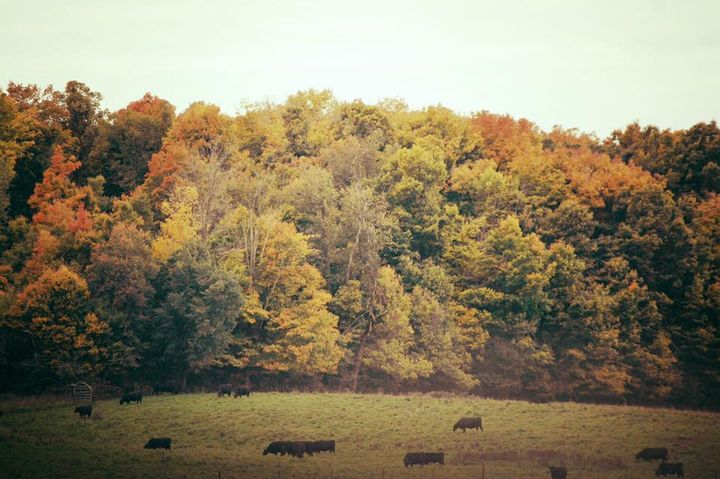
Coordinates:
[45,439]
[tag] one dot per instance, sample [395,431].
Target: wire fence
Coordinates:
[470,471]
[481,471]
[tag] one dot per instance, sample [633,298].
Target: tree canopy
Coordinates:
[361,246]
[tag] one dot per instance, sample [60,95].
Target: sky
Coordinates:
[591,65]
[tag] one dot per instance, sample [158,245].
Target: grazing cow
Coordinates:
[296,449]
[414,459]
[165,388]
[277,447]
[84,411]
[242,391]
[652,454]
[670,469]
[158,443]
[468,423]
[558,472]
[135,396]
[324,446]
[224,389]
[312,447]
[435,458]
[423,458]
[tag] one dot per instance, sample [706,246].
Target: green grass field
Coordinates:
[373,432]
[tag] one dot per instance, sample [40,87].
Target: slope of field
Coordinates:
[215,437]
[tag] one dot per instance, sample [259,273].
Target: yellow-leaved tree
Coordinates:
[179,227]
[67,336]
[293,329]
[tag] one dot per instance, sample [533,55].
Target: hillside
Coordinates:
[372,432]
[317,243]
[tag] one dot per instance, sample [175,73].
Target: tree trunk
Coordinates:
[359,356]
[183,380]
[352,253]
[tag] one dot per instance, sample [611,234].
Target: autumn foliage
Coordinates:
[320,243]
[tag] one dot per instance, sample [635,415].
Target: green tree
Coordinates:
[197,307]
[480,190]
[385,343]
[503,274]
[304,120]
[364,122]
[438,339]
[413,179]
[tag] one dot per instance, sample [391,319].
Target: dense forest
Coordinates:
[341,245]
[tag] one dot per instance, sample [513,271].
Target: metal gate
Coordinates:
[82,393]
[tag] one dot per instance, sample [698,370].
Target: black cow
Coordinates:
[277,447]
[242,391]
[165,388]
[296,449]
[324,446]
[84,411]
[652,454]
[435,458]
[224,389]
[312,447]
[670,469]
[135,396]
[558,472]
[414,458]
[468,423]
[423,458]
[158,443]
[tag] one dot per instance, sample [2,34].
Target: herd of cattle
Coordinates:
[300,448]
[665,468]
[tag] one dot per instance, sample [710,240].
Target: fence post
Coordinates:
[483,470]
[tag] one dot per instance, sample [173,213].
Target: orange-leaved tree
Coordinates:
[67,336]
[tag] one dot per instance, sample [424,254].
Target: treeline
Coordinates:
[358,246]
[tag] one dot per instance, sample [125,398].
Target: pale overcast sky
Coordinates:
[593,65]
